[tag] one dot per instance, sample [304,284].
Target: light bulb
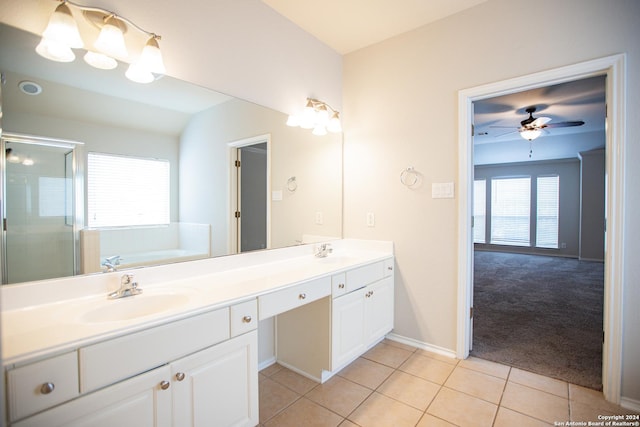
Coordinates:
[319,130]
[530,134]
[334,125]
[293,120]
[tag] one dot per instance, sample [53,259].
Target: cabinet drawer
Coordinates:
[41,385]
[244,317]
[114,360]
[280,301]
[388,267]
[362,276]
[338,284]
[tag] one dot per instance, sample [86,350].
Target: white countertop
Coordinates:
[51,317]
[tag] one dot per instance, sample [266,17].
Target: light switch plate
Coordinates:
[371,219]
[442,190]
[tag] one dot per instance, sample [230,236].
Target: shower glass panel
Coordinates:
[39,236]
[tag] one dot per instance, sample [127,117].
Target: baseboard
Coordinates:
[422,345]
[628,403]
[266,363]
[590,259]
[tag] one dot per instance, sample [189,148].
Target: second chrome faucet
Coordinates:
[128,287]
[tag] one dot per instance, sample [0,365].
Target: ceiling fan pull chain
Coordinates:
[530,148]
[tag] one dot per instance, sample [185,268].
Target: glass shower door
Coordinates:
[39,224]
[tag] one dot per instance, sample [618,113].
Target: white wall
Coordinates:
[400,109]
[592,206]
[238,47]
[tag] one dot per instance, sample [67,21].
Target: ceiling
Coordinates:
[350,25]
[496,122]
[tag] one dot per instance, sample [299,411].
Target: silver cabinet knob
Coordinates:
[180,376]
[47,388]
[390,268]
[247,319]
[302,296]
[341,286]
[165,385]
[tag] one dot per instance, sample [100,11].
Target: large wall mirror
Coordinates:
[75,136]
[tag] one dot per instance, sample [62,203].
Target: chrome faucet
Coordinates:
[128,287]
[112,263]
[323,250]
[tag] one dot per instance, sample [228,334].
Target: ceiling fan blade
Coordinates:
[565,124]
[506,133]
[504,127]
[539,122]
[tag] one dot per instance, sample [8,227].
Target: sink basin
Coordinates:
[337,259]
[134,307]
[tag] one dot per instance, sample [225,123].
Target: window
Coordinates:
[547,214]
[479,211]
[127,191]
[510,211]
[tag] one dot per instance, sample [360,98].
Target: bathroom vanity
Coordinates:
[185,351]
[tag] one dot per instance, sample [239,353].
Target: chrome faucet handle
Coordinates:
[128,287]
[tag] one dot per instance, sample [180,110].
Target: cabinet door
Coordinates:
[347,334]
[378,310]
[142,401]
[218,386]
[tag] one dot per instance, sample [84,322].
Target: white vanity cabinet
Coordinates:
[198,371]
[321,338]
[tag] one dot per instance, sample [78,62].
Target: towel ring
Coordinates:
[409,177]
[292,185]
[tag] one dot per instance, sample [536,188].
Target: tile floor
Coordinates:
[397,385]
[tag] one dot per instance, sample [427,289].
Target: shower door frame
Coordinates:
[77,177]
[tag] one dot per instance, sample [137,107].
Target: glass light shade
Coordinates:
[308,118]
[319,130]
[55,51]
[322,115]
[100,60]
[530,134]
[139,74]
[334,125]
[62,28]
[110,41]
[28,161]
[151,57]
[293,121]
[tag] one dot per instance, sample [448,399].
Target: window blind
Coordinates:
[547,212]
[479,211]
[127,191]
[510,211]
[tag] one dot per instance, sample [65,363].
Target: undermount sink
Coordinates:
[134,307]
[336,259]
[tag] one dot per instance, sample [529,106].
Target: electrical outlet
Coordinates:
[371,219]
[563,245]
[319,218]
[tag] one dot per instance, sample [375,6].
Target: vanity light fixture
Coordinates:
[317,115]
[62,35]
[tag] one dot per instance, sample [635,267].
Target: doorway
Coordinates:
[613,68]
[250,188]
[40,222]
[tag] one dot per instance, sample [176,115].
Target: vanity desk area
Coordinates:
[185,350]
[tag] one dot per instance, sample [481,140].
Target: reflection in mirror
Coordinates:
[197,133]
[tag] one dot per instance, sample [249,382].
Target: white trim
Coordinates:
[614,68]
[632,404]
[232,238]
[422,345]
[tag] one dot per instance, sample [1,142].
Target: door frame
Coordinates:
[614,68]
[234,188]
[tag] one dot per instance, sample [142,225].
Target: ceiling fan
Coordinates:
[531,127]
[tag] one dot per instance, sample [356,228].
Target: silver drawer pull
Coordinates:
[179,376]
[47,388]
[165,385]
[246,319]
[390,268]
[302,296]
[341,286]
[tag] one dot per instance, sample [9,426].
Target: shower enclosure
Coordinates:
[42,208]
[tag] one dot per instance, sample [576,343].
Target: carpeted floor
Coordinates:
[542,314]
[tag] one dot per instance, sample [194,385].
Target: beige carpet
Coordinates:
[542,314]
